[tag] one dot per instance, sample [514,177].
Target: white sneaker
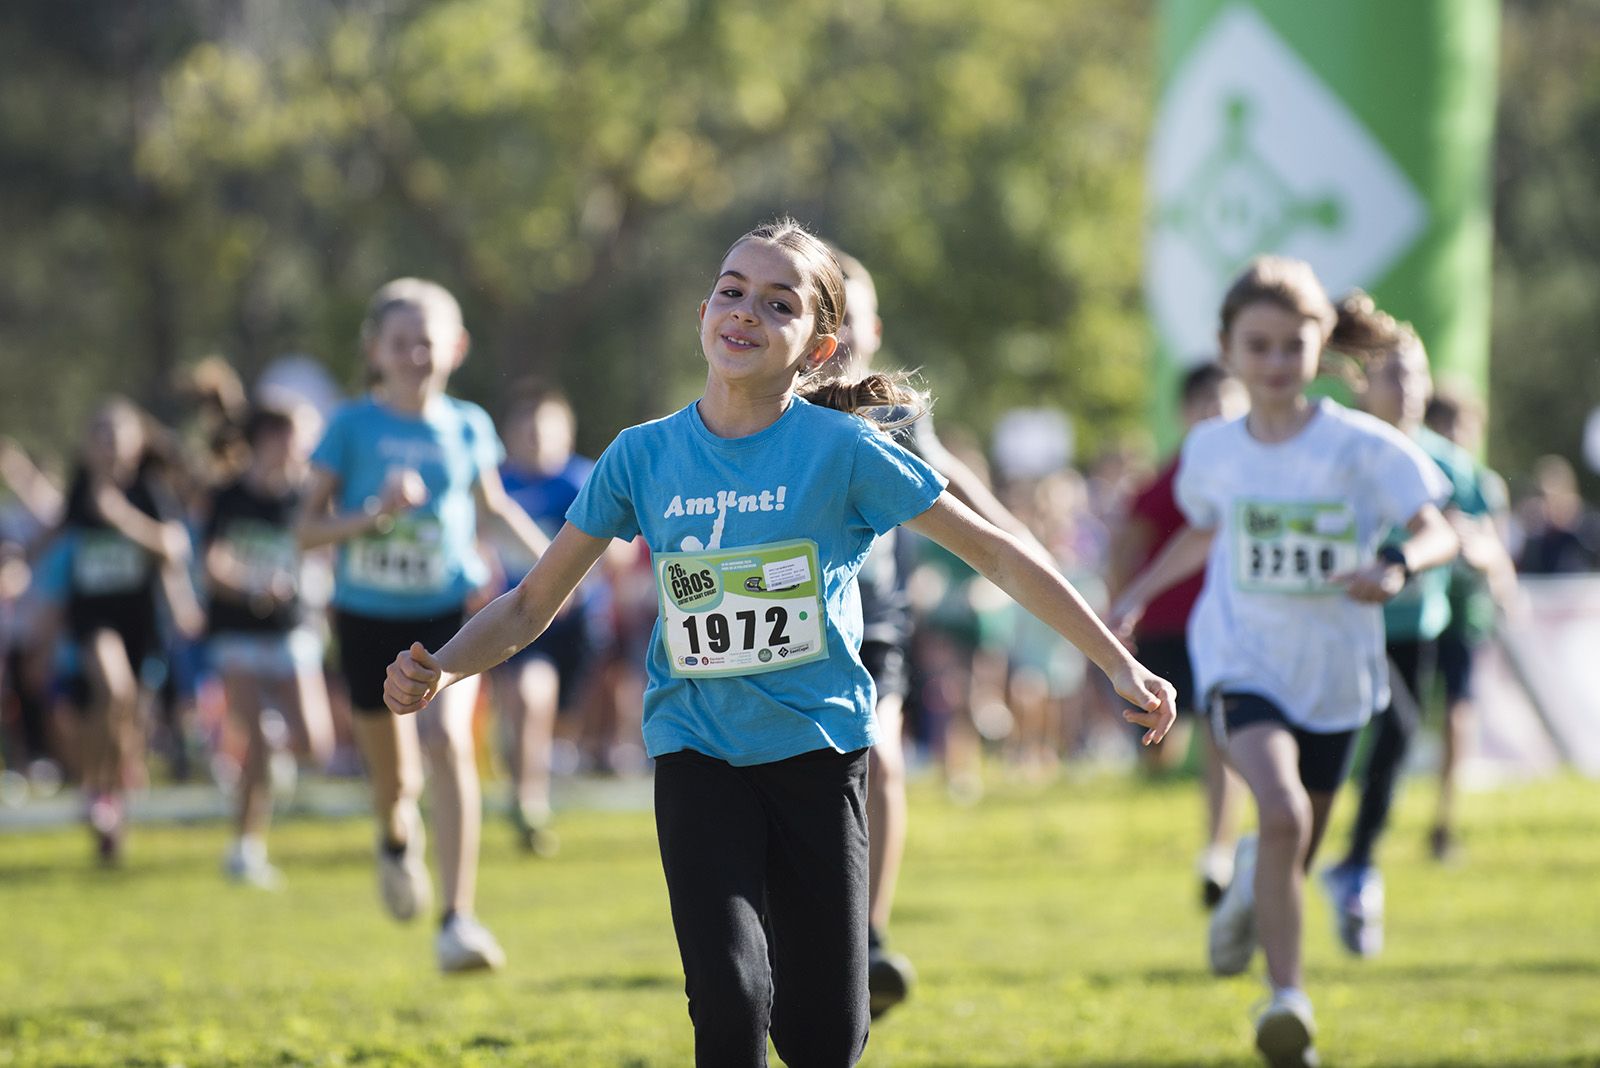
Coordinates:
[465,945]
[1285,1031]
[403,880]
[1215,868]
[246,863]
[1231,935]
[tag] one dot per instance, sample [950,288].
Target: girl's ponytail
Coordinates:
[891,400]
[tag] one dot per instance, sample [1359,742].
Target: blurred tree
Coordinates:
[182,177]
[574,169]
[1545,375]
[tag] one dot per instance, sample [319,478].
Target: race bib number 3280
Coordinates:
[741,611]
[1294,547]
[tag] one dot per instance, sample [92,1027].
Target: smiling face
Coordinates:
[1273,351]
[414,352]
[759,326]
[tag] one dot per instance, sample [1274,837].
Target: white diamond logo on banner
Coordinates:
[1252,153]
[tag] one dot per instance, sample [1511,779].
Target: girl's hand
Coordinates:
[403,490]
[1124,617]
[1376,583]
[176,548]
[1155,702]
[414,679]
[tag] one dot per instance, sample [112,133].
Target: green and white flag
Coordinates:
[1355,135]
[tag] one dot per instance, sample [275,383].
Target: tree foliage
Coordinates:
[573,170]
[1545,375]
[184,177]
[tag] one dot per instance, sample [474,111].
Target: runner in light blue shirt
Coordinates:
[760,502]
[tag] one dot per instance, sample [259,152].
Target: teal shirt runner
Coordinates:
[1421,612]
[816,480]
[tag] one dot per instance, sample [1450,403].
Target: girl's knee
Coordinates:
[1285,814]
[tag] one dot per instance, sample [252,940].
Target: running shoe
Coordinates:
[403,875]
[890,978]
[533,832]
[250,868]
[1285,1032]
[1216,872]
[1231,935]
[465,945]
[1442,845]
[108,821]
[1356,894]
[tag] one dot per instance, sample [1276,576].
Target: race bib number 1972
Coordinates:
[741,611]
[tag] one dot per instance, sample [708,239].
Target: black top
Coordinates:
[258,529]
[113,580]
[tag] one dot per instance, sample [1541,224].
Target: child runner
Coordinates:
[259,643]
[396,482]
[760,506]
[1153,518]
[1482,581]
[1396,390]
[543,476]
[1286,506]
[886,632]
[124,542]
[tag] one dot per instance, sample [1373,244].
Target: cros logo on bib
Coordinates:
[741,611]
[1294,547]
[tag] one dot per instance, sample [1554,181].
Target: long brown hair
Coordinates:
[891,400]
[1355,328]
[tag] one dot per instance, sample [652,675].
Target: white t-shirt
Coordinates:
[1288,517]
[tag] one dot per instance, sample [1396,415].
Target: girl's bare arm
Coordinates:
[510,622]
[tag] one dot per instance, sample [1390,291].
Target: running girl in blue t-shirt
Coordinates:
[760,501]
[543,475]
[397,482]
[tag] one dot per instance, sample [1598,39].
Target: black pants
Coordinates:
[1411,666]
[766,871]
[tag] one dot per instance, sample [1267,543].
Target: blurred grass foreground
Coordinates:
[1051,926]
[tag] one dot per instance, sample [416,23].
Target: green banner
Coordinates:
[1355,135]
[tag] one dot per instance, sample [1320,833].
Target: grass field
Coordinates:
[1051,926]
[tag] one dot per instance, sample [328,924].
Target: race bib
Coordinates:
[264,551]
[1294,546]
[104,562]
[741,611]
[409,559]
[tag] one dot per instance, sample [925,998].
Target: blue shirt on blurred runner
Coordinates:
[429,562]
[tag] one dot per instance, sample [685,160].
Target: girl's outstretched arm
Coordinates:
[1183,555]
[494,500]
[1033,582]
[510,622]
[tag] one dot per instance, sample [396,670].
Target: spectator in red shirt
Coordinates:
[1152,518]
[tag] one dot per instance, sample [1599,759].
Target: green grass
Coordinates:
[1051,926]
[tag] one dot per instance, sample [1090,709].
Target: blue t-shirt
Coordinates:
[814,474]
[546,499]
[429,562]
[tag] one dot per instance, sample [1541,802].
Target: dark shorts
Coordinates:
[367,647]
[886,663]
[1168,656]
[566,646]
[1457,657]
[1324,758]
[140,635]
